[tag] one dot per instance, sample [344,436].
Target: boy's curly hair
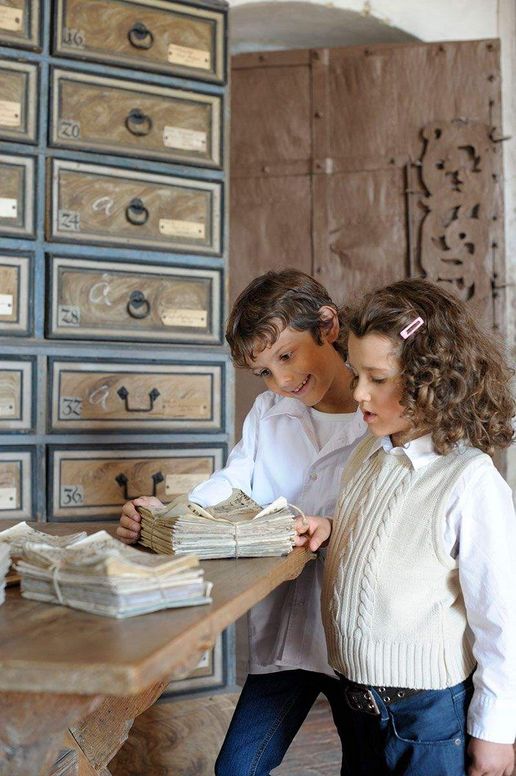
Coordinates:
[455,379]
[269,304]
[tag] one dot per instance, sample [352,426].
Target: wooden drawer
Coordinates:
[145,34]
[16,394]
[15,295]
[16,477]
[104,114]
[18,83]
[105,300]
[208,674]
[123,395]
[121,207]
[19,23]
[16,196]
[94,483]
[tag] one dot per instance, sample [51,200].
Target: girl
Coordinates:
[419,583]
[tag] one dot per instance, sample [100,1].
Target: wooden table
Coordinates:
[65,673]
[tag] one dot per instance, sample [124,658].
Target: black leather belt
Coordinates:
[360,698]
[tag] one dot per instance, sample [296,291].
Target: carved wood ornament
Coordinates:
[458,175]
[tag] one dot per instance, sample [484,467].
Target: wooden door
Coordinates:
[364,165]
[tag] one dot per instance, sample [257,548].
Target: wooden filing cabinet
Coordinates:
[90,299]
[15,295]
[18,101]
[113,187]
[19,23]
[17,181]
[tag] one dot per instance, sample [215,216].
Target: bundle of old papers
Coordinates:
[21,533]
[235,528]
[101,575]
[5,560]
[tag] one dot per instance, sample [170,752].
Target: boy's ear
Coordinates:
[330,326]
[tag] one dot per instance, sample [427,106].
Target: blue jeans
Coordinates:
[422,735]
[270,711]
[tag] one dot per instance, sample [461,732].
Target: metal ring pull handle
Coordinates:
[121,479]
[140,36]
[138,307]
[138,123]
[124,395]
[136,212]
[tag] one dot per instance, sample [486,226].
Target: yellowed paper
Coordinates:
[175,228]
[7,498]
[6,304]
[185,139]
[8,207]
[10,113]
[11,19]
[183,483]
[183,317]
[189,57]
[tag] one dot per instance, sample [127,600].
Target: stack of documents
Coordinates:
[101,575]
[235,528]
[21,533]
[5,561]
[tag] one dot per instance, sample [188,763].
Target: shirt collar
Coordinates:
[420,451]
[293,407]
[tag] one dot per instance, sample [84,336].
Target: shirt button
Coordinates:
[313,476]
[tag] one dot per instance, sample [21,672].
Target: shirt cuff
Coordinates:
[492,719]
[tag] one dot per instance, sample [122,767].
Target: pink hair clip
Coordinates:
[411,328]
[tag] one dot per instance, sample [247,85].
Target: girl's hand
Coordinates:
[129,528]
[313,532]
[490,759]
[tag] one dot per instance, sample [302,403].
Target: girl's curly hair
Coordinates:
[269,304]
[455,379]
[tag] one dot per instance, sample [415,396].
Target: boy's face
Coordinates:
[298,367]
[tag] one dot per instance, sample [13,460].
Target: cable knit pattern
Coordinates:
[392,607]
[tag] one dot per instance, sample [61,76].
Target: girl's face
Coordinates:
[378,389]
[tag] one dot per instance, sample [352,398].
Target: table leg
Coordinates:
[103,732]
[32,726]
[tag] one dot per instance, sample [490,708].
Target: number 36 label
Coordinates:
[72,495]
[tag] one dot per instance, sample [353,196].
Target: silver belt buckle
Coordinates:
[362,700]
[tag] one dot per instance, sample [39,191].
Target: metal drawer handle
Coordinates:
[137,306]
[136,212]
[121,479]
[140,36]
[124,395]
[138,123]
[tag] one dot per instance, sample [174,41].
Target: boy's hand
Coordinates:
[490,759]
[128,531]
[313,532]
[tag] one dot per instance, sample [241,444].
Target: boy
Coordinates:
[295,441]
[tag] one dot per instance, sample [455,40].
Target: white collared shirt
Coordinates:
[279,455]
[480,534]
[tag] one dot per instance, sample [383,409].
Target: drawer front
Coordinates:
[155,397]
[149,34]
[19,22]
[112,206]
[104,114]
[105,300]
[16,196]
[18,101]
[15,294]
[209,673]
[16,397]
[16,477]
[95,483]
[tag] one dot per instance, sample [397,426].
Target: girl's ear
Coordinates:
[330,326]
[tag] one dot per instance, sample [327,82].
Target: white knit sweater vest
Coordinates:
[392,606]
